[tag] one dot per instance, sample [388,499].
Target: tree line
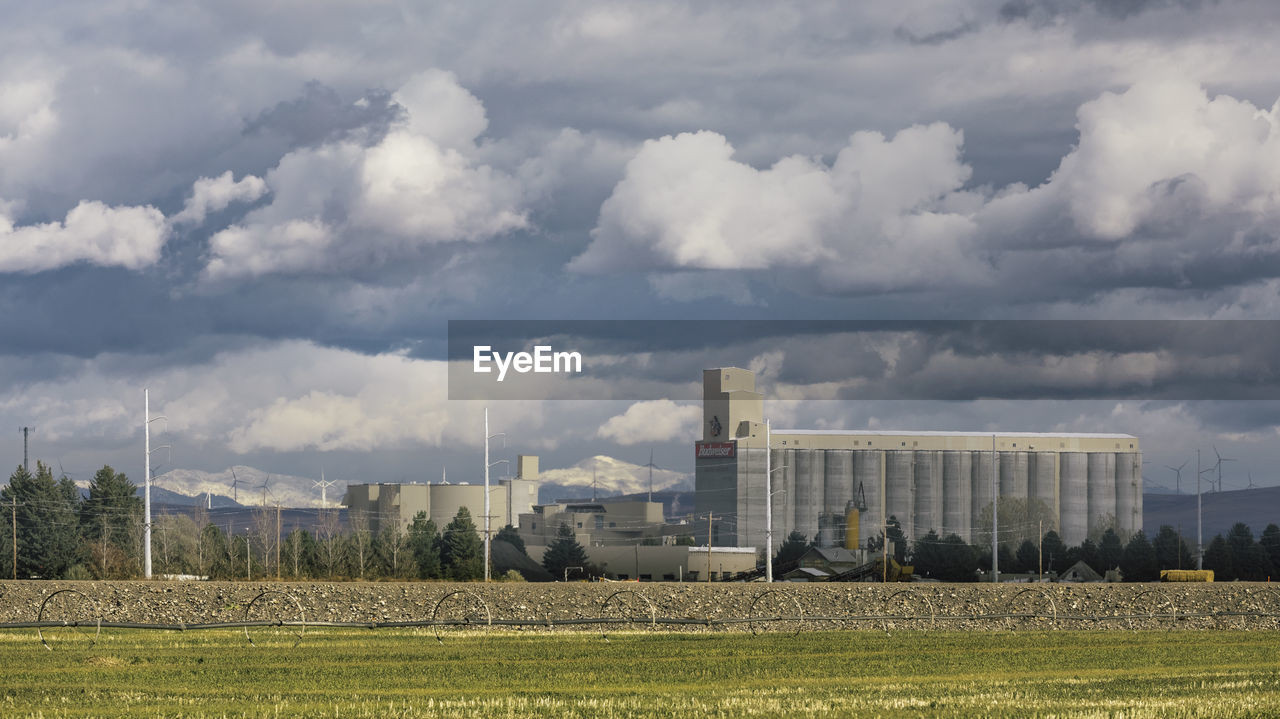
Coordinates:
[1138,559]
[62,535]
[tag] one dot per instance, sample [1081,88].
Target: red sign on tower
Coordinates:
[719,450]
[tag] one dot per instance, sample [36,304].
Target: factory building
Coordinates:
[607,522]
[387,504]
[829,483]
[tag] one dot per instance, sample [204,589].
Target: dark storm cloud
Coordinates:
[896,360]
[935,38]
[321,115]
[1046,10]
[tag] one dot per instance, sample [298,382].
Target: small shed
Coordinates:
[805,574]
[833,560]
[1080,572]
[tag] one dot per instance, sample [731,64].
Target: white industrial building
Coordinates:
[927,480]
[387,504]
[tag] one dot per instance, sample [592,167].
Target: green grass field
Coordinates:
[406,673]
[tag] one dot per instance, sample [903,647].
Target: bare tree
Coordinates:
[264,536]
[293,550]
[361,540]
[393,546]
[327,534]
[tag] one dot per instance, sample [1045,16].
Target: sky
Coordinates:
[269,213]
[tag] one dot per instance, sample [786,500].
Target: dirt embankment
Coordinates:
[949,606]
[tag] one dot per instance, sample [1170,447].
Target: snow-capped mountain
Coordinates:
[288,490]
[611,477]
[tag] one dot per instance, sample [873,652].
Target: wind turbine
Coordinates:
[265,482]
[1251,484]
[235,486]
[651,467]
[323,485]
[1178,471]
[1218,466]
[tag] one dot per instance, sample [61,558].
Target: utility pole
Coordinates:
[884,559]
[15,536]
[25,465]
[277,541]
[248,560]
[995,515]
[768,504]
[768,507]
[487,465]
[147,419]
[1199,527]
[1040,549]
[146,478]
[709,516]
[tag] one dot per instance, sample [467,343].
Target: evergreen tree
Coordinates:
[961,563]
[424,544]
[1250,561]
[1270,541]
[928,556]
[791,550]
[461,551]
[564,552]
[511,536]
[108,518]
[1255,565]
[1027,558]
[1110,550]
[1007,559]
[1055,553]
[1089,554]
[1139,563]
[1217,556]
[1171,550]
[48,526]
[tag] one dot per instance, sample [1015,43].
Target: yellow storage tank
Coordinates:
[852,519]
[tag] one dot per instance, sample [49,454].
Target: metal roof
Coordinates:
[916,433]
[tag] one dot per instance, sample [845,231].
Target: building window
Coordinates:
[623,577]
[668,577]
[613,524]
[579,525]
[534,525]
[599,522]
[693,575]
[646,577]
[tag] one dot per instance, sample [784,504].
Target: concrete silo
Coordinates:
[957,493]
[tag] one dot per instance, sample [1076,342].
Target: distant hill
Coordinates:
[160,495]
[1255,507]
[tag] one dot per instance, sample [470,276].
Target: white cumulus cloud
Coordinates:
[339,203]
[888,212]
[129,237]
[652,421]
[211,194]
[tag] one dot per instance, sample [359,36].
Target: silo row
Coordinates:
[946,491]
